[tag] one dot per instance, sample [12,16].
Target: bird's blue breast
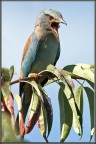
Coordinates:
[47,52]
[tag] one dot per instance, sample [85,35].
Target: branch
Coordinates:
[21,79]
[49,75]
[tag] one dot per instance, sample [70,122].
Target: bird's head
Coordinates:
[54,19]
[50,19]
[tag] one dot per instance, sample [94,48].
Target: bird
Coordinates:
[41,49]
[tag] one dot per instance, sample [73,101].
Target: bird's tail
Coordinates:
[26,96]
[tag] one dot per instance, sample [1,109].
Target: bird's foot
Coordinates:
[35,76]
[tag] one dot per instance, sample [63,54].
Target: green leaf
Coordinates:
[51,81]
[90,95]
[65,115]
[92,68]
[5,82]
[42,122]
[35,85]
[52,69]
[7,131]
[19,101]
[84,72]
[5,74]
[78,93]
[21,121]
[61,75]
[75,113]
[69,94]
[49,110]
[90,83]
[34,112]
[8,104]
[87,66]
[5,89]
[11,72]
[71,100]
[47,74]
[69,68]
[67,77]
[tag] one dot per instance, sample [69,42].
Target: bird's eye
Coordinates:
[50,17]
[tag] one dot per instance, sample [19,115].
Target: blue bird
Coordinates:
[42,48]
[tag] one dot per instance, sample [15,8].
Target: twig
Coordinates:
[30,78]
[18,80]
[44,75]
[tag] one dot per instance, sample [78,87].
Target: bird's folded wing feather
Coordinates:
[58,54]
[28,56]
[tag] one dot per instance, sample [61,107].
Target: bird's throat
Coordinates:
[55,27]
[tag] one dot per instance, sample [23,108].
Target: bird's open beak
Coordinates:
[62,21]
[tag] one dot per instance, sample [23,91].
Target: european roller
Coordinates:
[41,49]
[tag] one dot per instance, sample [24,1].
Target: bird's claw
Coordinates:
[35,76]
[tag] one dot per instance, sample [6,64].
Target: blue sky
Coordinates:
[77,46]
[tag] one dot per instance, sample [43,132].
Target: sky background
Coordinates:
[77,46]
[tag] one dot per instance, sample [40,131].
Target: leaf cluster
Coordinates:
[40,110]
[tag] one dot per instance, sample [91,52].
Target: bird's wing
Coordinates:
[57,55]
[28,57]
[29,54]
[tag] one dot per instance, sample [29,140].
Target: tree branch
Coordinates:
[49,75]
[21,79]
